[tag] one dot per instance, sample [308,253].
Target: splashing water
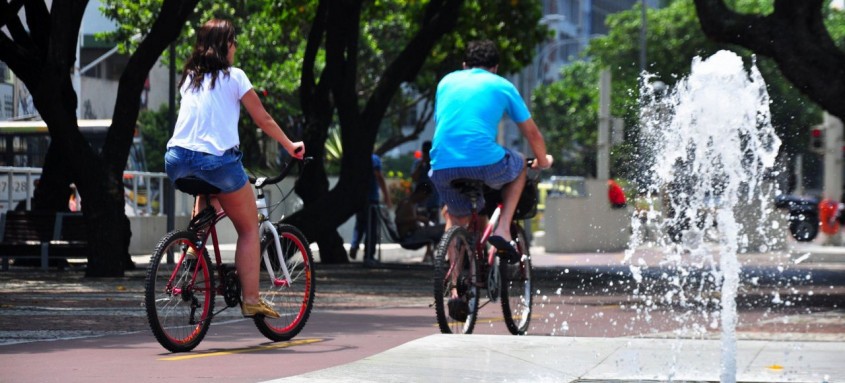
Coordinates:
[709,144]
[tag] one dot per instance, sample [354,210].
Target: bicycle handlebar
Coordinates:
[260,182]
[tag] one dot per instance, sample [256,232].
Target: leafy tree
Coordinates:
[270,43]
[567,110]
[155,134]
[796,35]
[40,48]
[333,89]
[674,37]
[359,65]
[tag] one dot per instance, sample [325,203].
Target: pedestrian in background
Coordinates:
[366,221]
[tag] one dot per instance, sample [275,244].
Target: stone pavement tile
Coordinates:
[499,358]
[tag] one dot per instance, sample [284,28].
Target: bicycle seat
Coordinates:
[468,186]
[195,186]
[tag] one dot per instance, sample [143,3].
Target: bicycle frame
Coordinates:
[479,254]
[180,299]
[202,235]
[211,232]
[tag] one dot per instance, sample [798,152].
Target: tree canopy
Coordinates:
[357,65]
[674,37]
[40,48]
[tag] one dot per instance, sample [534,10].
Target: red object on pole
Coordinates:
[615,194]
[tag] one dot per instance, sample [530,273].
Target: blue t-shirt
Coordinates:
[469,105]
[374,194]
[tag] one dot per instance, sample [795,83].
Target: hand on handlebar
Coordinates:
[538,164]
[297,150]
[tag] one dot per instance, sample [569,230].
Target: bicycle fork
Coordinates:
[267,227]
[284,280]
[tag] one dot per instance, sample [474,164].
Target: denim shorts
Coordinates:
[495,176]
[226,172]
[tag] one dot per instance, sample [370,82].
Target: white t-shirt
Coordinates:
[208,118]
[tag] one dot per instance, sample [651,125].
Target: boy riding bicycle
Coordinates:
[469,104]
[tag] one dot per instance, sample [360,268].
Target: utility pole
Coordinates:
[603,144]
[170,193]
[833,142]
[643,36]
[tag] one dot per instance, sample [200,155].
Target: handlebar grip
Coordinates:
[286,167]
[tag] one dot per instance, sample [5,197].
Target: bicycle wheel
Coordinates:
[179,298]
[516,294]
[293,302]
[455,267]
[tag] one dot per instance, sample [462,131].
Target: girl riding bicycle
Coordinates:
[205,144]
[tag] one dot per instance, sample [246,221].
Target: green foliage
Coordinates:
[334,150]
[673,38]
[153,126]
[389,25]
[271,36]
[567,112]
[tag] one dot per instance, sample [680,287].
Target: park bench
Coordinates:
[47,236]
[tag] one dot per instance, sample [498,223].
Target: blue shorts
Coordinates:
[226,172]
[495,176]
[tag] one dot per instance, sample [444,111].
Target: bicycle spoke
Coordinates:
[179,299]
[292,301]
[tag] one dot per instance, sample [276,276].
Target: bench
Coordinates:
[42,235]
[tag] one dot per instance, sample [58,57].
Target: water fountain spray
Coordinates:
[709,147]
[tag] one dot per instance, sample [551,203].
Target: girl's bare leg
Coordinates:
[241,209]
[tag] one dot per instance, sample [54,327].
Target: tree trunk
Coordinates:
[52,192]
[337,24]
[794,36]
[42,55]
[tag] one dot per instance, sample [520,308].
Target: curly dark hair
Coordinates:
[481,53]
[210,54]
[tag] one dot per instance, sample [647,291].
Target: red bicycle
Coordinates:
[180,297]
[465,263]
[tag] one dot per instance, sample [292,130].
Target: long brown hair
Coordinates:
[210,54]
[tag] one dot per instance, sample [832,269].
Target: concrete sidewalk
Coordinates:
[498,358]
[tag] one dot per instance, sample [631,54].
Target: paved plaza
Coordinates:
[807,274]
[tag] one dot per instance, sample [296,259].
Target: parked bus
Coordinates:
[23,144]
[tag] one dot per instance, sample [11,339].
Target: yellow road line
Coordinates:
[243,350]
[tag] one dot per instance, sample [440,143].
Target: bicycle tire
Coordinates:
[179,313]
[516,287]
[466,280]
[293,302]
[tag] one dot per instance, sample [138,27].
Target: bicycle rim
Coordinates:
[516,293]
[455,267]
[293,302]
[178,305]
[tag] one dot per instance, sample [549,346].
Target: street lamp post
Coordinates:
[541,57]
[643,36]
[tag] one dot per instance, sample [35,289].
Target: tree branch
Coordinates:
[794,36]
[441,17]
[167,26]
[307,88]
[38,20]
